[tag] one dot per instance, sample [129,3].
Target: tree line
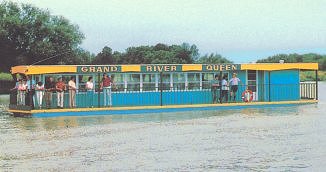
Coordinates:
[157,54]
[297,58]
[29,35]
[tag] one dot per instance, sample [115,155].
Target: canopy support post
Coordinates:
[220,85]
[316,72]
[99,90]
[269,86]
[161,88]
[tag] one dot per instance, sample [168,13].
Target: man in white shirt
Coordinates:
[72,92]
[234,82]
[90,91]
[225,89]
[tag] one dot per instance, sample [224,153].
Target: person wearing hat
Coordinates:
[234,82]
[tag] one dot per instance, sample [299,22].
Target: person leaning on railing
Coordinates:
[49,89]
[21,88]
[30,99]
[225,89]
[234,82]
[72,92]
[14,93]
[90,91]
[106,86]
[39,92]
[60,87]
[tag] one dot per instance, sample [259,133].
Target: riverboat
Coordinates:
[155,88]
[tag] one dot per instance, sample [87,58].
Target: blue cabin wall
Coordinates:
[148,98]
[261,86]
[139,98]
[284,85]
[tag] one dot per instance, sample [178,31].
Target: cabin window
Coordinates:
[166,79]
[66,78]
[118,80]
[37,78]
[82,79]
[193,81]
[133,82]
[148,82]
[252,78]
[206,80]
[178,81]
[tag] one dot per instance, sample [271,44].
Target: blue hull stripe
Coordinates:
[163,110]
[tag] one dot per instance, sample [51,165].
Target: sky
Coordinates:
[241,30]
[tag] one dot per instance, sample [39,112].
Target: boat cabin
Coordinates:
[162,85]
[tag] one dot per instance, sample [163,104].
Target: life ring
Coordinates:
[247,96]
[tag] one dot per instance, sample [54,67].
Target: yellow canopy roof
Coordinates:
[279,66]
[52,69]
[32,70]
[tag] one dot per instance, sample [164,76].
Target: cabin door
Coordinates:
[252,76]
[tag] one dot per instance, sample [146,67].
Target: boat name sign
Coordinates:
[157,68]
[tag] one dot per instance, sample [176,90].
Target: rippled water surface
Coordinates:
[273,139]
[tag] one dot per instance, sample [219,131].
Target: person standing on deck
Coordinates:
[22,88]
[234,82]
[225,89]
[30,99]
[106,86]
[49,88]
[215,84]
[90,91]
[14,91]
[60,87]
[72,92]
[39,92]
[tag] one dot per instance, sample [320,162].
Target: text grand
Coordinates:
[100,69]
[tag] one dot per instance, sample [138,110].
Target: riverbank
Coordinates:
[5,76]
[5,86]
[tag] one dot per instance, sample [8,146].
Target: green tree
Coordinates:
[104,57]
[82,56]
[213,59]
[29,35]
[158,54]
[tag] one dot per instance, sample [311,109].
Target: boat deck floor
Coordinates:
[163,108]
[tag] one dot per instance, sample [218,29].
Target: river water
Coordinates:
[272,139]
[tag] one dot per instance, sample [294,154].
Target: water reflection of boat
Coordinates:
[138,89]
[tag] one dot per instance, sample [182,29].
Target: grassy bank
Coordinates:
[310,76]
[5,77]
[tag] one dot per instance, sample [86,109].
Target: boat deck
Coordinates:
[151,109]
